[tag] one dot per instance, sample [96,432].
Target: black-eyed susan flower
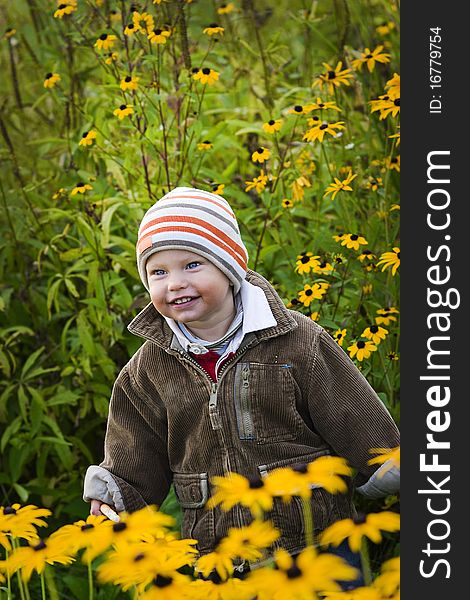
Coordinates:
[260,155]
[123,111]
[390,259]
[373,183]
[367,289]
[393,163]
[386,315]
[340,335]
[366,255]
[298,109]
[36,556]
[143,21]
[225,9]
[218,188]
[339,259]
[302,576]
[205,76]
[340,185]
[168,587]
[306,262]
[258,183]
[213,29]
[312,292]
[88,138]
[130,29]
[21,522]
[106,41]
[64,9]
[315,315]
[111,57]
[205,145]
[336,77]
[385,28]
[322,105]
[361,349]
[51,79]
[10,32]
[339,237]
[392,356]
[236,489]
[293,303]
[287,203]
[317,132]
[396,136]
[248,542]
[370,526]
[369,58]
[393,86]
[93,534]
[159,36]
[272,125]
[323,268]
[388,581]
[58,195]
[298,187]
[115,15]
[375,333]
[353,241]
[81,188]
[129,83]
[219,561]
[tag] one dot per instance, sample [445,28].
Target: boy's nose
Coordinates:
[177,281]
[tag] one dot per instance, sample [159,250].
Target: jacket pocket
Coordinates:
[264,401]
[192,490]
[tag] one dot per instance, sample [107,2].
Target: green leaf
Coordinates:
[21,491]
[30,361]
[12,429]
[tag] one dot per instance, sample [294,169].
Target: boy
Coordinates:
[228,380]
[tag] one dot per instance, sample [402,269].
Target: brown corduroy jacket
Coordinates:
[289,395]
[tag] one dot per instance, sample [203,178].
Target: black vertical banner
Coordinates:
[435,354]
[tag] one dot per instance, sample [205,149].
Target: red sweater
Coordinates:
[208,361]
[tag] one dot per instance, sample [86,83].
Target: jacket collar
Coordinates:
[150,325]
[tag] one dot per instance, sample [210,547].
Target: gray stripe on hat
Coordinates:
[209,211]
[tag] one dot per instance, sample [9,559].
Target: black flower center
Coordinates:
[260,150]
[361,517]
[61,6]
[300,468]
[206,142]
[271,122]
[87,526]
[39,546]
[321,105]
[130,26]
[81,184]
[139,556]
[323,125]
[103,36]
[122,107]
[369,56]
[398,255]
[397,102]
[255,483]
[315,118]
[212,25]
[361,344]
[195,70]
[293,572]
[157,31]
[308,292]
[304,260]
[394,160]
[374,329]
[331,74]
[9,510]
[117,527]
[354,237]
[128,78]
[322,265]
[162,582]
[298,108]
[85,134]
[206,71]
[49,75]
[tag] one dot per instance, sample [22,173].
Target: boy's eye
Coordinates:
[193,264]
[158,272]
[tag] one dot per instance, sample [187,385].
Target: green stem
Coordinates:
[308,521]
[90,581]
[43,586]
[365,562]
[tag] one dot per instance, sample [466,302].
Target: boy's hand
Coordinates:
[99,508]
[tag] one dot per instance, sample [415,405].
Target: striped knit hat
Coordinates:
[198,221]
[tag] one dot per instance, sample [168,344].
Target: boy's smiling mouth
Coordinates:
[183,300]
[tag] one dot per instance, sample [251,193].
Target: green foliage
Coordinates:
[69,282]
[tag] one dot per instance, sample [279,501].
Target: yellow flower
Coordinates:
[321,105]
[205,75]
[258,183]
[388,582]
[123,111]
[213,29]
[385,28]
[394,207]
[386,315]
[352,240]
[247,542]
[64,9]
[215,561]
[374,183]
[332,78]
[310,293]
[112,57]
[36,556]
[340,185]
[315,315]
[80,188]
[130,29]
[93,534]
[218,188]
[225,9]
[129,83]
[87,138]
[260,155]
[390,259]
[159,36]
[366,254]
[361,349]
[305,262]
[339,336]
[298,186]
[142,22]
[205,145]
[287,203]
[323,268]
[21,522]
[355,529]
[106,41]
[375,333]
[236,489]
[386,455]
[393,163]
[272,126]
[370,58]
[317,132]
[10,32]
[51,79]
[168,587]
[298,109]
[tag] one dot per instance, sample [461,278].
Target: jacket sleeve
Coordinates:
[136,445]
[348,414]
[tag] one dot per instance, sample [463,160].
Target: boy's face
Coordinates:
[190,289]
